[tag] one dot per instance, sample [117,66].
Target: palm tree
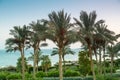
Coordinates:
[113,51]
[38,58]
[85,34]
[46,63]
[102,37]
[17,42]
[66,50]
[37,34]
[60,33]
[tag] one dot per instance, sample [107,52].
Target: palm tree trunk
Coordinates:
[37,67]
[64,64]
[46,70]
[34,64]
[92,64]
[23,64]
[104,60]
[100,60]
[96,59]
[60,64]
[111,64]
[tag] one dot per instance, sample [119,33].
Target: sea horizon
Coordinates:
[10,58]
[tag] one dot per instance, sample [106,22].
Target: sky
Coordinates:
[20,12]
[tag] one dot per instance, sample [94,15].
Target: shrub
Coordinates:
[14,76]
[116,75]
[53,73]
[28,76]
[40,74]
[65,78]
[108,70]
[3,75]
[71,73]
[108,77]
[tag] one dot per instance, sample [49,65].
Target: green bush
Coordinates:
[40,74]
[108,77]
[116,75]
[100,77]
[28,76]
[14,76]
[3,75]
[65,78]
[53,73]
[71,73]
[108,70]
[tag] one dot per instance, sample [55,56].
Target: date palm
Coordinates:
[66,50]
[102,37]
[86,25]
[38,58]
[17,42]
[113,52]
[46,63]
[37,34]
[60,33]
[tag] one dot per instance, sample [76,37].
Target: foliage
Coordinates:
[30,69]
[3,75]
[108,77]
[28,76]
[84,63]
[46,63]
[71,73]
[19,64]
[14,76]
[66,50]
[40,74]
[53,73]
[38,57]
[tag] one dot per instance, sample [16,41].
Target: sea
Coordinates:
[10,58]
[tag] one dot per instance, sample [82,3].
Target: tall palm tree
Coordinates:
[37,34]
[113,51]
[101,37]
[46,63]
[86,30]
[66,50]
[17,42]
[60,33]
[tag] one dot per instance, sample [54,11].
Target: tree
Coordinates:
[37,34]
[102,37]
[113,51]
[60,33]
[66,50]
[86,30]
[17,42]
[46,63]
[84,62]
[38,58]
[19,64]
